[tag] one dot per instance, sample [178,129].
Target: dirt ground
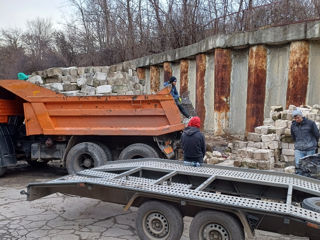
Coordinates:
[59,217]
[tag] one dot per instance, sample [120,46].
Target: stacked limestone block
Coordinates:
[91,81]
[271,145]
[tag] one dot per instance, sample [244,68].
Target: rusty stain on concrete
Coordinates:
[167,71]
[298,73]
[200,73]
[141,72]
[184,67]
[256,87]
[222,78]
[154,79]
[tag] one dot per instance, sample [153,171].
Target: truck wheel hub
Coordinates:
[215,232]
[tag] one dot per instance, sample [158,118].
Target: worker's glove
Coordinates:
[180,100]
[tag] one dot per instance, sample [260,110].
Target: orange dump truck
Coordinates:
[39,125]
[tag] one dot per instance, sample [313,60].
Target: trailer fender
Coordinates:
[7,150]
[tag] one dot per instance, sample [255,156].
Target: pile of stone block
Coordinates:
[271,145]
[91,81]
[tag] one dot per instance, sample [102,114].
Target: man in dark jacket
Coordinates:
[193,143]
[176,97]
[306,136]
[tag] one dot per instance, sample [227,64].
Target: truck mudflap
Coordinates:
[265,200]
[7,150]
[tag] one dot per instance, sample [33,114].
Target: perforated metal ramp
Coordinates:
[118,174]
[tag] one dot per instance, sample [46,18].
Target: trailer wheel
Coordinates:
[312,204]
[106,150]
[159,221]
[208,225]
[85,155]
[138,150]
[2,171]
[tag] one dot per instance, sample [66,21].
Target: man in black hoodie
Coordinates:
[193,143]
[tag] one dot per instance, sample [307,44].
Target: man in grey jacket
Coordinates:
[306,136]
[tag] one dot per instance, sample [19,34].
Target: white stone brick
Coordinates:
[56,86]
[268,137]
[262,129]
[100,76]
[290,169]
[104,89]
[281,123]
[291,146]
[288,152]
[81,81]
[36,79]
[88,90]
[284,145]
[255,137]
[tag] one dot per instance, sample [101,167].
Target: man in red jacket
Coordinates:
[193,143]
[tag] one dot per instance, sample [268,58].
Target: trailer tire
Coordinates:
[311,204]
[219,225]
[138,150]
[85,155]
[159,221]
[2,171]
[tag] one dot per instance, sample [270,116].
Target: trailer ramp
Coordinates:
[263,198]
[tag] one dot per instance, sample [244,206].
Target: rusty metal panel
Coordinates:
[184,67]
[298,73]
[154,79]
[167,71]
[256,87]
[141,72]
[201,71]
[222,78]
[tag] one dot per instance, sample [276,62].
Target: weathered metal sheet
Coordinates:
[313,96]
[277,77]
[256,87]
[222,76]
[201,71]
[141,72]
[238,91]
[298,73]
[184,66]
[167,71]
[154,79]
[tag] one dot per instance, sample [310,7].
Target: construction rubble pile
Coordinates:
[118,79]
[271,145]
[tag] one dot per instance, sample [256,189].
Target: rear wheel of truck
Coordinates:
[85,155]
[138,150]
[159,221]
[208,225]
[2,171]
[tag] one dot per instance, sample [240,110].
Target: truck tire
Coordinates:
[85,155]
[138,150]
[215,225]
[2,171]
[159,221]
[311,204]
[106,150]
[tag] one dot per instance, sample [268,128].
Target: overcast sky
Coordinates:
[16,13]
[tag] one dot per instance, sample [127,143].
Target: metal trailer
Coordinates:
[225,202]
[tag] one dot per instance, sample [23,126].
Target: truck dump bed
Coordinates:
[50,113]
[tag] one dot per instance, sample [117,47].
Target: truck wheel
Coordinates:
[158,220]
[209,224]
[106,150]
[312,204]
[138,150]
[85,155]
[2,171]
